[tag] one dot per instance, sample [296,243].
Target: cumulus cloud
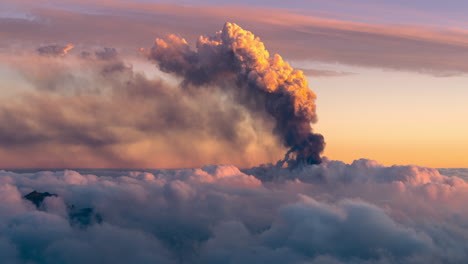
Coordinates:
[461,173]
[330,213]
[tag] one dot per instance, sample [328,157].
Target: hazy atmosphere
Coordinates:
[248,132]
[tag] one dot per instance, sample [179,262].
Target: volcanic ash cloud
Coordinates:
[236,61]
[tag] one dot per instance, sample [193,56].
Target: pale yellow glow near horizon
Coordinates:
[393,117]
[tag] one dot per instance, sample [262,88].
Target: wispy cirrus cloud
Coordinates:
[325,73]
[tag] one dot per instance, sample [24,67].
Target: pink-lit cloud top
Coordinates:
[328,213]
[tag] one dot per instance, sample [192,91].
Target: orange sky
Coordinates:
[394,117]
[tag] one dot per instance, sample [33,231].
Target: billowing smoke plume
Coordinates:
[112,114]
[237,61]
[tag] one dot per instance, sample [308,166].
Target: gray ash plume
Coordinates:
[262,83]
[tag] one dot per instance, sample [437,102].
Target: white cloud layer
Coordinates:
[328,213]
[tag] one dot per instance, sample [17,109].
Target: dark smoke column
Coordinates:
[237,52]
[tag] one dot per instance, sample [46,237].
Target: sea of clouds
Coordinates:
[330,213]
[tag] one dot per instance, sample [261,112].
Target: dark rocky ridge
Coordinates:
[80,217]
